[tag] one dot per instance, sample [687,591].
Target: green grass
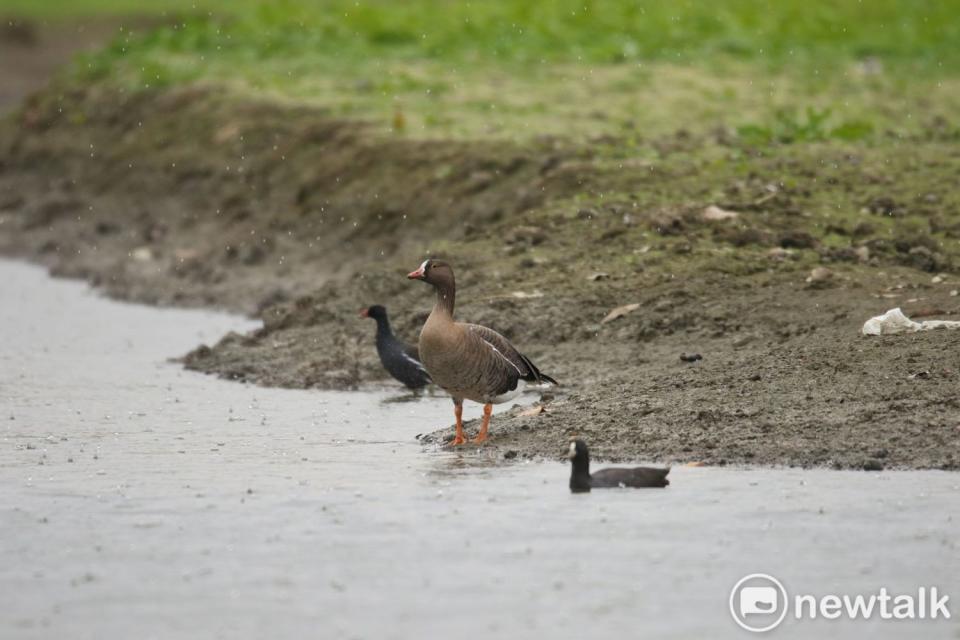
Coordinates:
[69,10]
[560,30]
[781,72]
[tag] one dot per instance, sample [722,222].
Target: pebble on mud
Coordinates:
[797,240]
[713,213]
[142,254]
[526,235]
[690,357]
[820,277]
[780,254]
[873,465]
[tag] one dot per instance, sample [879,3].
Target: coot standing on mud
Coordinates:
[399,359]
[469,361]
[581,480]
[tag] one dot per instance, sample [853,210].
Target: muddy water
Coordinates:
[140,500]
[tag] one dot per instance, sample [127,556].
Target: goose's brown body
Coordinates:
[473,362]
[467,360]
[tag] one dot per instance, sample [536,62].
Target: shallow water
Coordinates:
[141,500]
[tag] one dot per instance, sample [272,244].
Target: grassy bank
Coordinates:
[772,73]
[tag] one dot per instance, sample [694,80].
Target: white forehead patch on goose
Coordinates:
[573,448]
[423,265]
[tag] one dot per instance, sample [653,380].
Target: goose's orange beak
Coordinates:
[416,275]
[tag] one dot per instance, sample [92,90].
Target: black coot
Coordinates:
[581,480]
[399,359]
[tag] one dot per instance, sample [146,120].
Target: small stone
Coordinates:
[142,254]
[797,240]
[510,455]
[744,340]
[873,465]
[714,213]
[690,357]
[529,235]
[779,253]
[819,276]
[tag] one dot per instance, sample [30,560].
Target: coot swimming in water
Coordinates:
[581,480]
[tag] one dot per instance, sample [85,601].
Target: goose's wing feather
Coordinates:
[520,364]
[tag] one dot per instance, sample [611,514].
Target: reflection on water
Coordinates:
[138,499]
[463,464]
[407,397]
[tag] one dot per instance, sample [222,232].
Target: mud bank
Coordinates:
[196,197]
[785,377]
[191,196]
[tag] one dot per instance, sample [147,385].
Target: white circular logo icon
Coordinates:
[758,602]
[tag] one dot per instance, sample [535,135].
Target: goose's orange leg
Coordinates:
[458,411]
[482,436]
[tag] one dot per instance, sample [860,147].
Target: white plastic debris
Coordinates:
[894,322]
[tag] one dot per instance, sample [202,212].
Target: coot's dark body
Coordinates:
[399,359]
[582,481]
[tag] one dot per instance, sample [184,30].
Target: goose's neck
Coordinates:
[446,297]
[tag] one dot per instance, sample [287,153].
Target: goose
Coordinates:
[468,361]
[581,480]
[399,359]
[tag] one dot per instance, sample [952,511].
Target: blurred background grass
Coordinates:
[921,31]
[782,71]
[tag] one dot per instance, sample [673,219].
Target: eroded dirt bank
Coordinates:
[192,196]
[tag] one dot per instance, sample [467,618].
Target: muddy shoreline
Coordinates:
[194,197]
